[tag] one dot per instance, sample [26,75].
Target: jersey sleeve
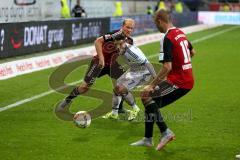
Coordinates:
[167,50]
[114,36]
[150,68]
[136,54]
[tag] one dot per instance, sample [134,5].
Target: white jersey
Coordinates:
[140,70]
[135,58]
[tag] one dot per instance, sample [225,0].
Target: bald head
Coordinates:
[128,26]
[128,20]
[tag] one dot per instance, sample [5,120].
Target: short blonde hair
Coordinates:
[162,15]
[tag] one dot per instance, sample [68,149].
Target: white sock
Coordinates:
[116,100]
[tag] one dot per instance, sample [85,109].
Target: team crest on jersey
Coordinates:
[109,47]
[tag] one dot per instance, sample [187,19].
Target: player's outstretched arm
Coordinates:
[166,68]
[98,45]
[150,68]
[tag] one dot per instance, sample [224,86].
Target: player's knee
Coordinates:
[120,90]
[84,87]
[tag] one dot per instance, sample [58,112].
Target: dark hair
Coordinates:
[163,15]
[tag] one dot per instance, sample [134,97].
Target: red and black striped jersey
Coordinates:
[176,49]
[110,52]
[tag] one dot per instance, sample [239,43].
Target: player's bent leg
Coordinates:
[115,104]
[128,97]
[152,114]
[116,71]
[84,87]
[116,100]
[121,109]
[149,122]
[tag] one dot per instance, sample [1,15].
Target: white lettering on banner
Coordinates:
[35,35]
[2,37]
[85,32]
[94,29]
[38,35]
[76,32]
[56,35]
[91,31]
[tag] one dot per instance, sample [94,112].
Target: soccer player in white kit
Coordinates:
[140,72]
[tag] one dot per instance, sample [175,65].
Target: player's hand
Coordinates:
[147,90]
[101,63]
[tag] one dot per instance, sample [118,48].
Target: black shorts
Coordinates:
[167,93]
[114,71]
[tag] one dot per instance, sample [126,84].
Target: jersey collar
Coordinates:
[170,29]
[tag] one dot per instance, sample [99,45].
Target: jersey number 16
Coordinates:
[185,51]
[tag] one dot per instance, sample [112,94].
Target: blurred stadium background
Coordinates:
[36,38]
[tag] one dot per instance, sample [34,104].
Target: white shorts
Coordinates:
[132,79]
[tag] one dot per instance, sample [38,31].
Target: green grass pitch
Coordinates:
[206,121]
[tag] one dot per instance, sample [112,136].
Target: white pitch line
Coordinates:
[152,56]
[34,97]
[214,34]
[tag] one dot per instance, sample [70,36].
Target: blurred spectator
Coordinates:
[226,7]
[169,5]
[118,9]
[178,7]
[78,10]
[65,11]
[161,5]
[149,10]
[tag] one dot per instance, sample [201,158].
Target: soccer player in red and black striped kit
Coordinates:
[174,80]
[104,63]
